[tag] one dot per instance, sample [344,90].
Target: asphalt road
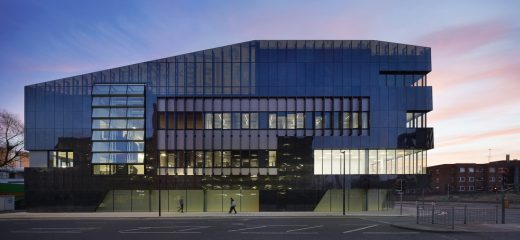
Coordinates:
[226,227]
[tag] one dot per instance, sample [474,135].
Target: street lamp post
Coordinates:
[158,177]
[401,198]
[343,152]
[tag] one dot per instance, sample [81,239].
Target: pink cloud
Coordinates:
[499,95]
[462,39]
[480,136]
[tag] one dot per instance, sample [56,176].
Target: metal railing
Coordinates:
[450,216]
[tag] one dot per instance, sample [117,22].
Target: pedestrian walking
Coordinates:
[181,205]
[233,206]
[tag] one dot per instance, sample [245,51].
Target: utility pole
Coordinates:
[448,191]
[343,152]
[401,195]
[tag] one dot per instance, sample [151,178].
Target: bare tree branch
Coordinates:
[11,138]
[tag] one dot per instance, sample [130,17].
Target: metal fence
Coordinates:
[450,216]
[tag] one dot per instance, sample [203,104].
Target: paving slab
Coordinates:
[474,228]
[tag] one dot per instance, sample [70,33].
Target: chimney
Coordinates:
[507,157]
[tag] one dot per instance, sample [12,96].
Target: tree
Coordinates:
[11,138]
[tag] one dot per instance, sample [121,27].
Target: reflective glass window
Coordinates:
[118,101]
[253,120]
[118,89]
[327,162]
[135,135]
[327,120]
[100,146]
[281,122]
[135,101]
[291,121]
[119,147]
[235,158]
[103,169]
[318,120]
[346,120]
[100,135]
[118,112]
[135,89]
[245,120]
[162,120]
[171,120]
[208,121]
[135,123]
[226,158]
[335,120]
[300,118]
[101,158]
[318,162]
[236,120]
[245,159]
[135,112]
[272,159]
[208,158]
[199,120]
[217,159]
[135,146]
[101,89]
[218,120]
[100,101]
[100,112]
[171,159]
[180,116]
[118,123]
[199,159]
[355,120]
[135,169]
[364,120]
[140,157]
[226,121]
[254,158]
[100,123]
[163,159]
[272,120]
[118,135]
[122,158]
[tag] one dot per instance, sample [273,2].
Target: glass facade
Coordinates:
[278,120]
[118,117]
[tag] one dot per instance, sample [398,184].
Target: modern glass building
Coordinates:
[277,125]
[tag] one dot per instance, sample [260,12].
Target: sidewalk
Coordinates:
[475,228]
[39,215]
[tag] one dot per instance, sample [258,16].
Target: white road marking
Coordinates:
[391,233]
[77,228]
[242,229]
[299,229]
[175,229]
[281,233]
[54,230]
[193,228]
[32,231]
[359,229]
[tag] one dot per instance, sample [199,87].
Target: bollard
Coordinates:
[433,213]
[496,214]
[417,215]
[452,218]
[465,212]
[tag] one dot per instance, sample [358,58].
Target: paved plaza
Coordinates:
[241,226]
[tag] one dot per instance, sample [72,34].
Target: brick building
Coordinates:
[474,177]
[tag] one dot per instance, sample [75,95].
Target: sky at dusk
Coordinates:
[475,50]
